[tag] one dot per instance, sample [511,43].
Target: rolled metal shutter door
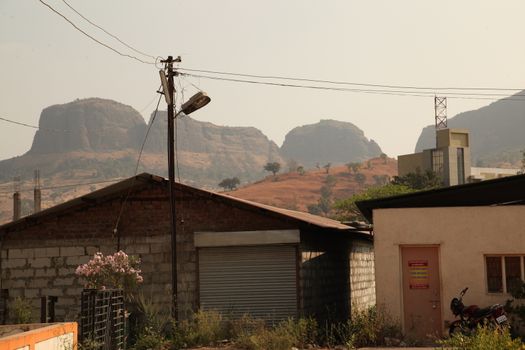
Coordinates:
[256,280]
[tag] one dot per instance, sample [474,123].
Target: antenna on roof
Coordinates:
[440,108]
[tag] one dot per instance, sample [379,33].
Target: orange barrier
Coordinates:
[42,337]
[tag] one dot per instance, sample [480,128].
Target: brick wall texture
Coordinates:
[39,258]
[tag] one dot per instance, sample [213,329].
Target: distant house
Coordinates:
[233,255]
[430,245]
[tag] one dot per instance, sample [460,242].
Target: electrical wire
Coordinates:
[92,38]
[65,186]
[121,211]
[108,33]
[367,91]
[349,83]
[31,126]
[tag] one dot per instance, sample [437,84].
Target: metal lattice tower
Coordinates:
[440,106]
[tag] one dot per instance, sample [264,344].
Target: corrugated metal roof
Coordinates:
[502,191]
[145,179]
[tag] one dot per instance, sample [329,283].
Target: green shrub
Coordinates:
[484,338]
[20,311]
[370,327]
[150,340]
[203,328]
[252,334]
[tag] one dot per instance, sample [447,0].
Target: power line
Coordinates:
[433,88]
[91,37]
[367,91]
[64,186]
[32,126]
[121,211]
[108,33]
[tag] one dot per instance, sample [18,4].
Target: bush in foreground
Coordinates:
[484,338]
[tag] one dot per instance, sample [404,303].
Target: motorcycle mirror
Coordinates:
[464,291]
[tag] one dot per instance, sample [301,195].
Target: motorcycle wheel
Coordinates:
[458,328]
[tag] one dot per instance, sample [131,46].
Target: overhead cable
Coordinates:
[413,87]
[92,38]
[456,95]
[31,126]
[108,33]
[65,186]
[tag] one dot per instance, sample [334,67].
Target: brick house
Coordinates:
[232,255]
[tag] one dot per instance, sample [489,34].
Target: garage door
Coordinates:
[257,280]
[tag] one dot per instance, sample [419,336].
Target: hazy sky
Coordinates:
[44,61]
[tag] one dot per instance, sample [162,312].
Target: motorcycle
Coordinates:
[472,316]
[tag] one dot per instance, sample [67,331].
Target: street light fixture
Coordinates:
[196,102]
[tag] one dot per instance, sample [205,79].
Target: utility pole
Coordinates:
[197,101]
[169,90]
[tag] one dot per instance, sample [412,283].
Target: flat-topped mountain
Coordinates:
[92,125]
[329,141]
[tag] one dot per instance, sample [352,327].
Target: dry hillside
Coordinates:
[296,191]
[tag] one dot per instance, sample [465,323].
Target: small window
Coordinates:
[504,273]
[494,274]
[512,272]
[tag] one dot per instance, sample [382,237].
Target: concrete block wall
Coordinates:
[362,275]
[325,285]
[40,258]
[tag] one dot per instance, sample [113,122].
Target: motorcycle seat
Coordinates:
[486,311]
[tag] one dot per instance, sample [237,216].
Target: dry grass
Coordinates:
[294,191]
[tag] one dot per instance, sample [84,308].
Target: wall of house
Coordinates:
[41,259]
[464,236]
[362,275]
[336,274]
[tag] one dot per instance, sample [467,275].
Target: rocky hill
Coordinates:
[93,140]
[328,141]
[103,137]
[496,133]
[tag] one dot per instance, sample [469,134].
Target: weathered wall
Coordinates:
[336,274]
[362,276]
[325,284]
[41,259]
[464,236]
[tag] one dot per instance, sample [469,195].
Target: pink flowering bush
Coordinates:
[119,271]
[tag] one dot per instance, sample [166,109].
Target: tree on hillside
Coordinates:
[381,180]
[324,204]
[273,167]
[346,210]
[230,183]
[353,167]
[419,180]
[300,170]
[292,165]
[384,157]
[327,167]
[360,178]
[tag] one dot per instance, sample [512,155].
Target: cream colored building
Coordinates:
[450,160]
[430,245]
[482,174]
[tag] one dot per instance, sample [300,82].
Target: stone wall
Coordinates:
[362,275]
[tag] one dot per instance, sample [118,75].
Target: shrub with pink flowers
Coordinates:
[119,271]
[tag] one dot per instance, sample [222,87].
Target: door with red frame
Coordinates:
[421,292]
